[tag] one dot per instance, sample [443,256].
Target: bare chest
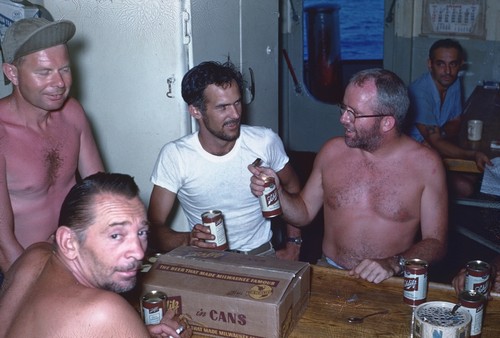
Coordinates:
[36,161]
[384,190]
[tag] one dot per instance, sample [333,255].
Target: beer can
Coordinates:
[214,220]
[415,282]
[474,302]
[153,307]
[477,276]
[269,200]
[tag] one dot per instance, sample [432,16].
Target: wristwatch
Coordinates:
[296,240]
[401,262]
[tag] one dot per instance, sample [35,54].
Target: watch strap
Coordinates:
[401,262]
[295,240]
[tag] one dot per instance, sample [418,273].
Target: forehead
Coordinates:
[115,209]
[214,93]
[445,54]
[357,95]
[49,54]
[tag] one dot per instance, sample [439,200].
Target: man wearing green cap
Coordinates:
[45,137]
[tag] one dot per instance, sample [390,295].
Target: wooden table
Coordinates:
[483,104]
[335,296]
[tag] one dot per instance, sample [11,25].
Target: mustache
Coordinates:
[136,265]
[231,121]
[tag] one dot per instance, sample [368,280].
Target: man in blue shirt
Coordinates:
[436,105]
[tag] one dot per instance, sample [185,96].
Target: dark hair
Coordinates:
[446,43]
[78,208]
[392,93]
[206,73]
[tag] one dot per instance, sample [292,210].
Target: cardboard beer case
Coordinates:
[224,294]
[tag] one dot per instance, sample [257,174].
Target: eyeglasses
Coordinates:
[352,115]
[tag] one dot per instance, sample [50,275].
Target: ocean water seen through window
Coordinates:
[339,37]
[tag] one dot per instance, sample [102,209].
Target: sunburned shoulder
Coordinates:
[5,109]
[72,108]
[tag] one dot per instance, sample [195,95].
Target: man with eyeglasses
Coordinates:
[436,106]
[383,195]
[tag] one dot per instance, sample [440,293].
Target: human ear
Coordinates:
[11,73]
[429,64]
[388,123]
[67,242]
[194,112]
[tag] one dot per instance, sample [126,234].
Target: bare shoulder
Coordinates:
[421,157]
[107,314]
[422,153]
[30,263]
[5,113]
[73,110]
[332,148]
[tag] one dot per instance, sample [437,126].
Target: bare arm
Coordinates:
[160,206]
[446,148]
[299,209]
[433,216]
[10,248]
[290,181]
[89,159]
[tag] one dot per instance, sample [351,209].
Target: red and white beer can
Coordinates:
[269,200]
[214,220]
[153,307]
[415,282]
[477,276]
[474,302]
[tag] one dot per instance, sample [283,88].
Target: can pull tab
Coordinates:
[455,308]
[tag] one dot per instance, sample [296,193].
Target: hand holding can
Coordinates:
[153,307]
[269,200]
[477,277]
[215,221]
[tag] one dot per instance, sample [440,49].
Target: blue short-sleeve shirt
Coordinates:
[425,104]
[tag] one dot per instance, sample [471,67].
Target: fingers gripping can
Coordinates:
[415,282]
[214,220]
[153,307]
[474,303]
[477,276]
[269,200]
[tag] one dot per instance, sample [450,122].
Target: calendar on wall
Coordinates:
[454,17]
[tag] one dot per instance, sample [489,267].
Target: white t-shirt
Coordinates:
[203,182]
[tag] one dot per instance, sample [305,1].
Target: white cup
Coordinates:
[474,130]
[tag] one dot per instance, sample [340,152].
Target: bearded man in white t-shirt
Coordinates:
[207,170]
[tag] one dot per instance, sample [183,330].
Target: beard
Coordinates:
[368,140]
[102,275]
[220,133]
[120,287]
